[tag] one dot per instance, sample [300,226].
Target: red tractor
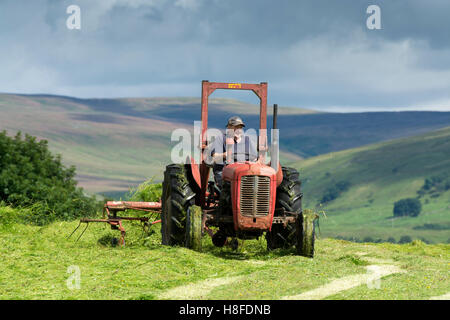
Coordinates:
[254,198]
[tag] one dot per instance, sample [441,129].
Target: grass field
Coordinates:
[378,176]
[35,262]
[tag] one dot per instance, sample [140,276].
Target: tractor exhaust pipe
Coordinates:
[274,145]
[275,115]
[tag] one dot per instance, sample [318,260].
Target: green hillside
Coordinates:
[118,143]
[376,176]
[114,143]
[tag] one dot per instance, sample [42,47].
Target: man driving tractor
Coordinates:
[242,149]
[255,198]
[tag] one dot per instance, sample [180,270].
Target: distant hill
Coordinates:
[117,143]
[373,178]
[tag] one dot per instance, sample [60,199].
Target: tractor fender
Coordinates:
[195,169]
[279,175]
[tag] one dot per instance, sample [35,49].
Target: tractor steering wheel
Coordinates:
[238,156]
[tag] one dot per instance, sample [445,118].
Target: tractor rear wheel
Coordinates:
[289,198]
[177,198]
[194,228]
[306,233]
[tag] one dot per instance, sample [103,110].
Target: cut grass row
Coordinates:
[36,260]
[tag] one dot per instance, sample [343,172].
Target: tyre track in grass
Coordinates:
[370,278]
[198,290]
[443,297]
[374,272]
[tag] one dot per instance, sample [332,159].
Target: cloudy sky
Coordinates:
[315,54]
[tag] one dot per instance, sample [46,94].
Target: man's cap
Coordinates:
[235,121]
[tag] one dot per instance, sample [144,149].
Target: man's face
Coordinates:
[238,131]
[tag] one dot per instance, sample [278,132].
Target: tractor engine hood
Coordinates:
[232,171]
[253,194]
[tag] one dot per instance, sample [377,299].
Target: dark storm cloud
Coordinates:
[316,54]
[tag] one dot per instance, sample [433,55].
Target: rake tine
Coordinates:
[74,230]
[87,225]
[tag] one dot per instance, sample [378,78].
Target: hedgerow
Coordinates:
[31,177]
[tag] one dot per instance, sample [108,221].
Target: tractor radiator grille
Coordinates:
[255,195]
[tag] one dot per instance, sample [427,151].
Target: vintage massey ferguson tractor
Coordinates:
[254,199]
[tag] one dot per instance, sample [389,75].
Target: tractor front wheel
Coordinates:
[306,233]
[194,228]
[289,198]
[177,198]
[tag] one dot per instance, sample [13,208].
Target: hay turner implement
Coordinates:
[110,210]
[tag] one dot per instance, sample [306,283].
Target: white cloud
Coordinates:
[436,105]
[188,4]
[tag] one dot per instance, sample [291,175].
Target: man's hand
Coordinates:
[219,157]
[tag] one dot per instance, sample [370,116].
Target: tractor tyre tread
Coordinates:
[289,198]
[178,196]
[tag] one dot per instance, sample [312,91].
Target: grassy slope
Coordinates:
[35,262]
[113,143]
[379,175]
